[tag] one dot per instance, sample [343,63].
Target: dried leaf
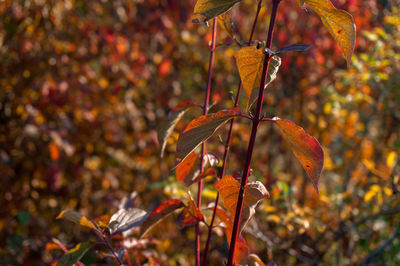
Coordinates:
[339,23]
[159,213]
[305,147]
[199,130]
[190,214]
[207,9]
[77,218]
[125,219]
[229,188]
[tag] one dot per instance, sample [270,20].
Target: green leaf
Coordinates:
[207,9]
[72,256]
[339,23]
[305,147]
[199,130]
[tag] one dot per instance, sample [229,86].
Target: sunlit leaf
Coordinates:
[273,68]
[167,125]
[199,130]
[77,218]
[249,61]
[229,188]
[208,9]
[190,214]
[339,23]
[185,167]
[305,147]
[125,219]
[72,256]
[159,213]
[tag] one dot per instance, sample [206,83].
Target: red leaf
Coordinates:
[305,147]
[159,213]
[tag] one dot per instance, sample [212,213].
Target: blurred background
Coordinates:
[85,84]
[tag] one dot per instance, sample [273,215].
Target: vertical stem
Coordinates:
[203,145]
[256,121]
[228,145]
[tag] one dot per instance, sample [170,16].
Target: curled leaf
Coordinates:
[200,176]
[190,214]
[199,130]
[305,147]
[339,23]
[229,188]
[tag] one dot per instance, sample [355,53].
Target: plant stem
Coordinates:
[256,122]
[203,145]
[228,145]
[104,239]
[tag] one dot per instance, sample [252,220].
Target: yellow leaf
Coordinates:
[208,9]
[391,159]
[339,23]
[250,62]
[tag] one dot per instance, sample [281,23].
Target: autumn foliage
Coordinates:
[105,134]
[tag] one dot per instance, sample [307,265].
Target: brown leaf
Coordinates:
[190,214]
[207,9]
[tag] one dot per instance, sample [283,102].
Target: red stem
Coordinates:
[228,145]
[203,145]
[256,122]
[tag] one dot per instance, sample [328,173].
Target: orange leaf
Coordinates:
[54,152]
[184,168]
[305,147]
[241,249]
[229,188]
[199,130]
